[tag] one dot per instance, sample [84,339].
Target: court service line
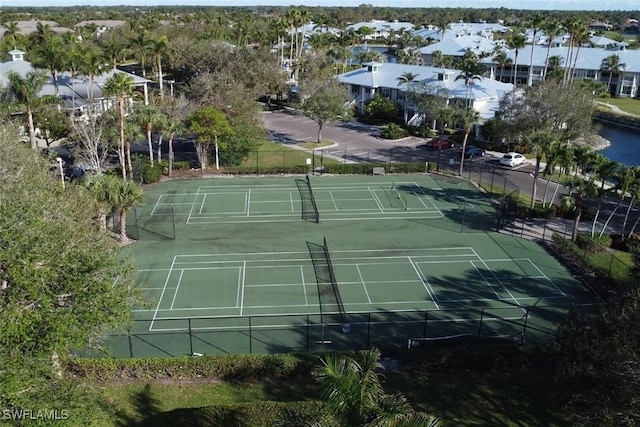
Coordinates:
[486,281]
[175,293]
[335,206]
[364,285]
[421,277]
[166,282]
[156,205]
[304,286]
[501,283]
[204,199]
[293,209]
[248,202]
[547,278]
[375,198]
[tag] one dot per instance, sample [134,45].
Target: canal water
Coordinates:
[625,144]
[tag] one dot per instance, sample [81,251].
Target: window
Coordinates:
[385,92]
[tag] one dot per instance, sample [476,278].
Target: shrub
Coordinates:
[393,131]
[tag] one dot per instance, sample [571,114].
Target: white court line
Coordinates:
[248,202]
[204,199]
[304,286]
[155,313]
[362,282]
[375,198]
[243,274]
[193,204]
[291,200]
[175,294]
[486,281]
[549,280]
[156,205]
[421,277]
[502,284]
[335,206]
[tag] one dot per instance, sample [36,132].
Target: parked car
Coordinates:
[470,152]
[440,144]
[512,159]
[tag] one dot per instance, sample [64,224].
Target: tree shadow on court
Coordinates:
[463,209]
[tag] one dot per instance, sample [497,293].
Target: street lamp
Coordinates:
[59,160]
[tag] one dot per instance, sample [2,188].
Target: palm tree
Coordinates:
[539,143]
[49,55]
[516,42]
[147,117]
[580,38]
[502,60]
[572,25]
[536,22]
[467,117]
[405,80]
[603,170]
[158,47]
[12,30]
[101,188]
[580,189]
[26,92]
[552,29]
[626,179]
[471,72]
[353,392]
[444,115]
[613,65]
[125,195]
[120,86]
[141,43]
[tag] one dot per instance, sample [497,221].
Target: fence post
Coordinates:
[480,325]
[130,344]
[307,337]
[524,328]
[257,161]
[250,338]
[190,339]
[424,328]
[493,174]
[369,330]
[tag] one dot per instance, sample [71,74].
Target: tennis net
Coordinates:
[328,291]
[309,207]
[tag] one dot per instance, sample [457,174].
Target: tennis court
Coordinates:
[243,271]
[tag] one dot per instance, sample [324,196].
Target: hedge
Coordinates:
[231,366]
[258,414]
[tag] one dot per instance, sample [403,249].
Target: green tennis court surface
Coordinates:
[227,266]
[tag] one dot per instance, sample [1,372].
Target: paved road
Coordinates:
[356,142]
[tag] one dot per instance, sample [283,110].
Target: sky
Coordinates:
[630,5]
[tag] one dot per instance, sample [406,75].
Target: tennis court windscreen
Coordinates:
[309,207]
[330,299]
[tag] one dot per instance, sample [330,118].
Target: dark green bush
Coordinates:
[224,367]
[181,165]
[258,414]
[392,131]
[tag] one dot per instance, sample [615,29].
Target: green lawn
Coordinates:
[467,398]
[628,105]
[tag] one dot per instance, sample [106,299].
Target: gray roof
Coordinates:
[457,46]
[589,58]
[382,25]
[74,92]
[386,76]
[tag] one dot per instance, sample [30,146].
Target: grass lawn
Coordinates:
[268,154]
[628,105]
[521,398]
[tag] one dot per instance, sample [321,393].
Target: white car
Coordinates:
[512,159]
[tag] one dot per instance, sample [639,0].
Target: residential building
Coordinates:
[383,78]
[381,29]
[76,92]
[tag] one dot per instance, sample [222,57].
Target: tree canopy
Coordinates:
[63,284]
